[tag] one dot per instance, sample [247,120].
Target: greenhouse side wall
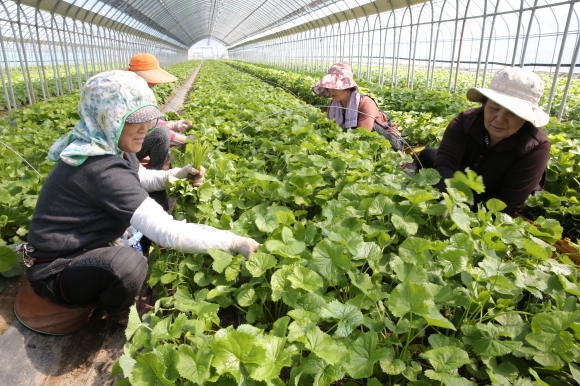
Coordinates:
[44,54]
[435,42]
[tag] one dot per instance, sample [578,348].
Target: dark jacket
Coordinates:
[511,170]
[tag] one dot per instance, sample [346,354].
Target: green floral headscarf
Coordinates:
[107,99]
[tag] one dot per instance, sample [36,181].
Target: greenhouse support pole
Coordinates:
[436,42]
[35,52]
[8,77]
[26,65]
[481,43]
[460,46]
[491,31]
[410,43]
[564,36]
[26,83]
[430,46]
[518,33]
[4,88]
[43,74]
[454,43]
[569,80]
[415,47]
[525,48]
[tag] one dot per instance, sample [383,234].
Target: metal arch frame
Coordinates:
[67,41]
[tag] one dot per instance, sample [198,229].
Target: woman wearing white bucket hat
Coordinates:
[502,140]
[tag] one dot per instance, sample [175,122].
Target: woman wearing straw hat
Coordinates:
[156,145]
[502,140]
[350,109]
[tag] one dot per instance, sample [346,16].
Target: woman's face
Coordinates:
[133,134]
[499,122]
[339,95]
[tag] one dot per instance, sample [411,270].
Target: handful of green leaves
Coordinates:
[198,153]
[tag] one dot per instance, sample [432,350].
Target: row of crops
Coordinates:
[423,116]
[365,276]
[361,277]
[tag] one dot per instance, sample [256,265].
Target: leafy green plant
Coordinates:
[363,276]
[198,152]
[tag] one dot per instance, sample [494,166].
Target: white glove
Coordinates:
[154,180]
[161,228]
[179,126]
[195,176]
[244,245]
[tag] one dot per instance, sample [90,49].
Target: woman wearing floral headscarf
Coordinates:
[502,140]
[350,109]
[94,193]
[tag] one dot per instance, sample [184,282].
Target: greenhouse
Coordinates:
[327,192]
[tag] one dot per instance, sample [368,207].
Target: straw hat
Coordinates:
[516,89]
[339,77]
[147,67]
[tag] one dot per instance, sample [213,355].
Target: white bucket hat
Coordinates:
[516,89]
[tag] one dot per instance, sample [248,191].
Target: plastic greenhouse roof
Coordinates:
[183,23]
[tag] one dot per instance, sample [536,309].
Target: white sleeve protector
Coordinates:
[154,180]
[151,220]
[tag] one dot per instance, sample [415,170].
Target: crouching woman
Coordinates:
[96,191]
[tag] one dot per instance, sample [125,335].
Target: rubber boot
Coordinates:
[44,316]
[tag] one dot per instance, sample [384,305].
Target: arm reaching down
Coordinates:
[160,227]
[154,180]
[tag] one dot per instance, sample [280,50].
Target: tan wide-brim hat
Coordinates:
[339,77]
[147,67]
[518,90]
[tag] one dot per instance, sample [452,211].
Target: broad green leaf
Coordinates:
[434,318]
[437,340]
[134,322]
[275,358]
[329,259]
[168,352]
[324,374]
[323,345]
[575,371]
[280,327]
[8,259]
[266,223]
[461,218]
[445,359]
[127,364]
[452,261]
[409,297]
[233,348]
[194,366]
[495,205]
[407,225]
[246,297]
[427,177]
[494,347]
[258,263]
[349,317]
[414,250]
[304,278]
[149,370]
[221,259]
[408,272]
[364,354]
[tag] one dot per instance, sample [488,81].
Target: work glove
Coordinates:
[244,245]
[393,129]
[179,126]
[194,176]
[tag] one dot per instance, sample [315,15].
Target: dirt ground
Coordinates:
[7,300]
